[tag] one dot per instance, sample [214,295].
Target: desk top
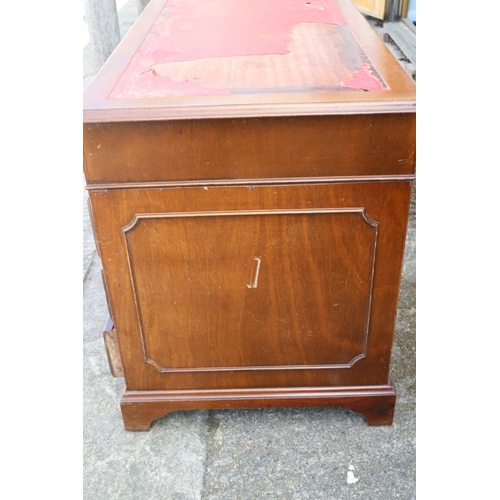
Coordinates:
[247,58]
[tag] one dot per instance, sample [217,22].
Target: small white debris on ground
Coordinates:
[350,476]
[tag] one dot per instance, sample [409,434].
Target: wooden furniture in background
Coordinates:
[383,9]
[249,167]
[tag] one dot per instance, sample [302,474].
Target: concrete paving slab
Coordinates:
[306,454]
[89,249]
[165,463]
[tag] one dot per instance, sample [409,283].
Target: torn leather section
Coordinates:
[363,79]
[222,47]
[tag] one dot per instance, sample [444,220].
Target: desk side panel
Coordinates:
[351,145]
[206,284]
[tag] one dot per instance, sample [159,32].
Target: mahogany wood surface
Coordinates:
[255,148]
[140,408]
[159,244]
[251,239]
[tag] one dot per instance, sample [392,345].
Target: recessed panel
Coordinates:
[222,291]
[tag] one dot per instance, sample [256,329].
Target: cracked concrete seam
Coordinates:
[87,271]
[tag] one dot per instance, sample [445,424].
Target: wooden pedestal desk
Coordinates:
[249,167]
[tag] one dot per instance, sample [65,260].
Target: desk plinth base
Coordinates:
[140,408]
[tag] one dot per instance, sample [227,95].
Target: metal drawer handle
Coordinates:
[255,273]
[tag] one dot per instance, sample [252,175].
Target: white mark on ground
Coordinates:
[350,476]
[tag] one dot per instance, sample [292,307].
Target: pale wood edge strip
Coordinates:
[250,182]
[248,111]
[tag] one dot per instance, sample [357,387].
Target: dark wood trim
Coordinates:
[140,408]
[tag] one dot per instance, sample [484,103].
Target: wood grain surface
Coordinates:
[256,148]
[140,408]
[232,290]
[164,274]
